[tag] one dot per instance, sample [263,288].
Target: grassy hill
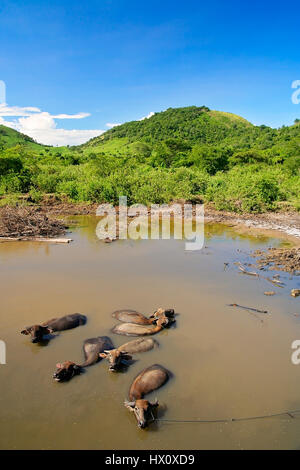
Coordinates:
[10,138]
[192,124]
[188,153]
[196,126]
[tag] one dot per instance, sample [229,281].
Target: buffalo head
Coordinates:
[37,332]
[142,410]
[115,358]
[166,316]
[65,371]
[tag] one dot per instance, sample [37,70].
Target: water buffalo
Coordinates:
[119,356]
[131,329]
[148,380]
[161,312]
[68,322]
[92,348]
[131,316]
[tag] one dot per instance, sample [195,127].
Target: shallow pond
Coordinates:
[226,361]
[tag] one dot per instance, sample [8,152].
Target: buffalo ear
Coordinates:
[102,355]
[25,332]
[50,330]
[129,404]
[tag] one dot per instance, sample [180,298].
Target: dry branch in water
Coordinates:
[28,222]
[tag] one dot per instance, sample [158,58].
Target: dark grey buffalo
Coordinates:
[67,322]
[92,348]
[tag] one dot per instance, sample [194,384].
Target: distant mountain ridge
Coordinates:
[192,124]
[198,126]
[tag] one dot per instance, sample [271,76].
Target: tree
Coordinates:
[210,159]
[170,152]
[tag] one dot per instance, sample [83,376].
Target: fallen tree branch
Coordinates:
[28,222]
[248,308]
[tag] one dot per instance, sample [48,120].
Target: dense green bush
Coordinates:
[10,165]
[241,190]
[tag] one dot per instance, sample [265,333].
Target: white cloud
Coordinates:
[71,116]
[54,136]
[14,111]
[148,116]
[41,126]
[112,124]
[36,122]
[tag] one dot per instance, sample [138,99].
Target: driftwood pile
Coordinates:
[28,222]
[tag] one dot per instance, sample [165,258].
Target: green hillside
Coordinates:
[10,138]
[193,124]
[187,153]
[188,129]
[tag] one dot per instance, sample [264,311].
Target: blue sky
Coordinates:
[111,61]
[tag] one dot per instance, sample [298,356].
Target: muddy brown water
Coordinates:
[225,361]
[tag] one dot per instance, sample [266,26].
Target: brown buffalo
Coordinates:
[131,316]
[67,322]
[131,329]
[161,313]
[119,356]
[92,348]
[148,380]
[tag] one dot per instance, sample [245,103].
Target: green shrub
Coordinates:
[35,195]
[244,191]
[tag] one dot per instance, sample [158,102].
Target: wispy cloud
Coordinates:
[14,111]
[112,124]
[71,116]
[148,116]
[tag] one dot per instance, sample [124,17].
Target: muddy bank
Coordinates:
[285,222]
[279,259]
[281,224]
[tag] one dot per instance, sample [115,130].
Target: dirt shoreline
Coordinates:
[285,225]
